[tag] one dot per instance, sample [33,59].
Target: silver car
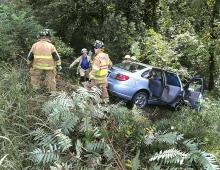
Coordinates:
[144,84]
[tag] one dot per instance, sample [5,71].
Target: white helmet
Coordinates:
[127,57]
[84,50]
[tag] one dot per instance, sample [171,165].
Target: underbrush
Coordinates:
[204,126]
[73,131]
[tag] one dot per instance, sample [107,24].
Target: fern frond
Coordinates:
[60,103]
[43,155]
[207,160]
[59,111]
[170,156]
[136,162]
[108,152]
[191,145]
[96,147]
[63,141]
[86,124]
[57,138]
[67,123]
[62,166]
[170,138]
[89,95]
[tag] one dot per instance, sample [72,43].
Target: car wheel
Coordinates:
[140,99]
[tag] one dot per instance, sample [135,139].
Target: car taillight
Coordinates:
[121,77]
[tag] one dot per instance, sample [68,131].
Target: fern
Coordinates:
[171,156]
[63,141]
[45,155]
[170,138]
[86,124]
[96,147]
[206,160]
[89,95]
[46,139]
[190,145]
[59,113]
[108,152]
[61,103]
[136,162]
[62,166]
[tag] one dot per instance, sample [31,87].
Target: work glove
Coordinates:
[59,68]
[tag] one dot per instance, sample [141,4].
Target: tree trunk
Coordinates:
[214,15]
[154,15]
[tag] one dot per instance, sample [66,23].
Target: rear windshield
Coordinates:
[131,67]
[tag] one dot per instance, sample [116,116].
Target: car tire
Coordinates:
[140,99]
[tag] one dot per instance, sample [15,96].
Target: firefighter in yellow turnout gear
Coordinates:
[45,62]
[99,72]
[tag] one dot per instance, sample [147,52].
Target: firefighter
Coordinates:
[84,65]
[127,59]
[99,72]
[45,62]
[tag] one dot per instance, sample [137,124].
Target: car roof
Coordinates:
[142,64]
[150,67]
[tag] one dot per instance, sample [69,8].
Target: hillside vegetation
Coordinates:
[71,129]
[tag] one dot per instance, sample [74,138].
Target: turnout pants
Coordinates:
[41,78]
[102,85]
[84,74]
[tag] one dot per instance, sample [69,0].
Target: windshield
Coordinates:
[131,67]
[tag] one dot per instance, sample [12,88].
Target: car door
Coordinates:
[156,80]
[194,91]
[172,88]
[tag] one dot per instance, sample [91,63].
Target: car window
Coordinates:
[145,74]
[132,67]
[156,75]
[172,79]
[195,85]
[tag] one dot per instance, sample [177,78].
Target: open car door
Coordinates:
[156,80]
[194,92]
[172,88]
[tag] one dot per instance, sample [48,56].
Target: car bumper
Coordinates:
[120,90]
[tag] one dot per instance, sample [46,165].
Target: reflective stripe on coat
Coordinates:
[43,59]
[100,66]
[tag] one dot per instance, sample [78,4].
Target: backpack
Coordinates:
[84,63]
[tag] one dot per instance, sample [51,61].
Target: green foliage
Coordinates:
[203,125]
[192,53]
[171,156]
[73,131]
[16,117]
[44,156]
[170,138]
[96,137]
[18,30]
[63,49]
[206,160]
[136,161]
